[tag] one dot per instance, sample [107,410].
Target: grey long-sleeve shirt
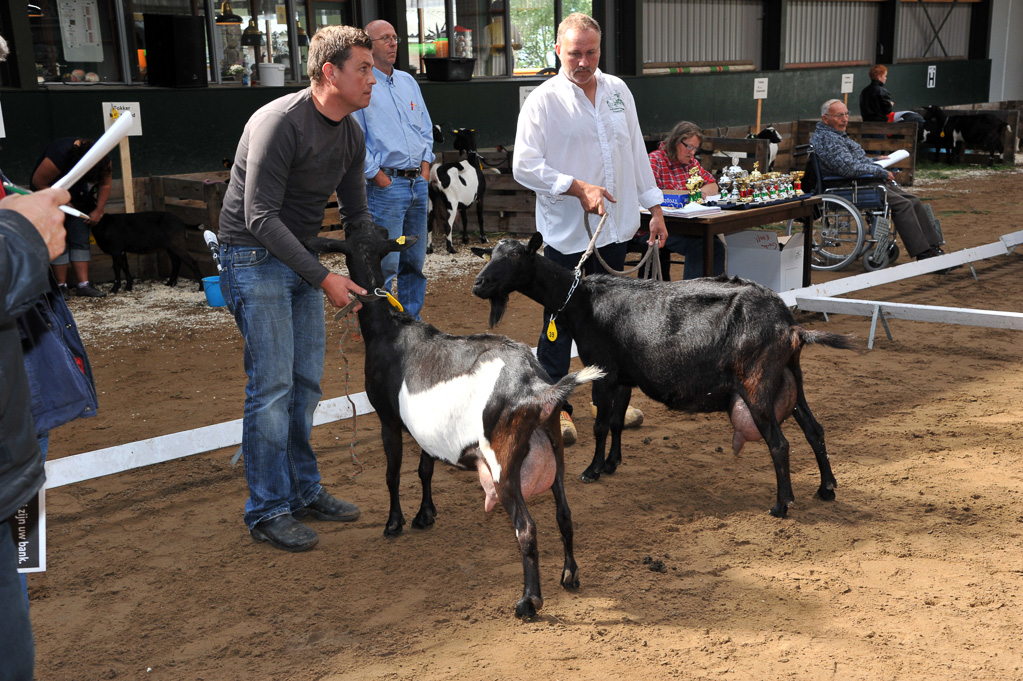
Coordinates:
[840,156]
[290,159]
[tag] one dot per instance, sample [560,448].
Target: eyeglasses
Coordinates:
[389,39]
[842,115]
[693,147]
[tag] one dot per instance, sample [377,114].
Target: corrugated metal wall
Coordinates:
[830,31]
[701,31]
[915,31]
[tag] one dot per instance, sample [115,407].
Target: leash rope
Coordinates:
[653,269]
[351,326]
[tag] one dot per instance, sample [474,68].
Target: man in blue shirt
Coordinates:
[399,150]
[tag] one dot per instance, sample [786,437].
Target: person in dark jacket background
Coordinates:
[31,234]
[875,101]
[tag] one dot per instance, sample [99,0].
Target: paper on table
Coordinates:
[110,139]
[691,210]
[893,158]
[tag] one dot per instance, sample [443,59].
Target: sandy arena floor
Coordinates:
[912,573]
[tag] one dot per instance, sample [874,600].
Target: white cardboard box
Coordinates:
[766,258]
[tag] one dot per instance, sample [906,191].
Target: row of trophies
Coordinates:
[738,186]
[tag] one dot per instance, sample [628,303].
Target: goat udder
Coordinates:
[742,422]
[535,476]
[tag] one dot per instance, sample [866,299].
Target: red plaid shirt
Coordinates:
[670,174]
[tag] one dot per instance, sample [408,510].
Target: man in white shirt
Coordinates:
[579,147]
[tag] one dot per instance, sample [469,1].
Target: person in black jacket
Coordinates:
[31,234]
[875,101]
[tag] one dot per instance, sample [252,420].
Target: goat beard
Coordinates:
[497,307]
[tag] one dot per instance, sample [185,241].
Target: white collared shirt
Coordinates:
[560,136]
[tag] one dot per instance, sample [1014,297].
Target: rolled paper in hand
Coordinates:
[110,139]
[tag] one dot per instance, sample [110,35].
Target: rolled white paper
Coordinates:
[893,158]
[110,139]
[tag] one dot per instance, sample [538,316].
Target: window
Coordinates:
[481,35]
[74,42]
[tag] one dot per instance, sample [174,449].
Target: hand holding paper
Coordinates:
[894,158]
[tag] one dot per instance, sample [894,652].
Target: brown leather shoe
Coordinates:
[285,533]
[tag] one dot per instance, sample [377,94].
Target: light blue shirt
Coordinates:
[399,132]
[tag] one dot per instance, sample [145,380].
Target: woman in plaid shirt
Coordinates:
[671,163]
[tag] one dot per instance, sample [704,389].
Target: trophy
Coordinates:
[797,184]
[693,184]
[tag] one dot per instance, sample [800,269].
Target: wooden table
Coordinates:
[728,221]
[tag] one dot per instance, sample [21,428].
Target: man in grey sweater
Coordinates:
[293,154]
[840,156]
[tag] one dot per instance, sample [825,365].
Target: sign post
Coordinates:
[111,112]
[847,87]
[759,94]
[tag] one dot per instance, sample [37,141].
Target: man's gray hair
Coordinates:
[683,130]
[3,49]
[826,106]
[578,21]
[334,44]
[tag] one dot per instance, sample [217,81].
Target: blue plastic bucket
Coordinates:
[211,285]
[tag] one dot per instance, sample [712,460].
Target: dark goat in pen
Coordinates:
[477,402]
[703,345]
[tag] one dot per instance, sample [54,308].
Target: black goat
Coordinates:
[147,232]
[699,346]
[953,133]
[477,402]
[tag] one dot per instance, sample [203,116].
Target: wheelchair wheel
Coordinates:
[891,256]
[838,234]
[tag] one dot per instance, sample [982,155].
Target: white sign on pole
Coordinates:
[847,83]
[123,108]
[524,92]
[759,88]
[932,76]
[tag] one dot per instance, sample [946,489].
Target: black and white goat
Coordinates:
[476,402]
[704,345]
[453,188]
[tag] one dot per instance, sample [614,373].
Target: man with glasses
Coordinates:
[578,145]
[399,150]
[293,154]
[840,156]
[672,162]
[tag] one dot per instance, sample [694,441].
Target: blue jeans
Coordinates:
[17,646]
[691,248]
[556,357]
[401,208]
[77,242]
[280,316]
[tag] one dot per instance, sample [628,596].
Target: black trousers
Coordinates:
[911,221]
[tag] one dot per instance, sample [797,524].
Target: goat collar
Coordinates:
[376,294]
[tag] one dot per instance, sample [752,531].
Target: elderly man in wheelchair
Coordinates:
[848,176]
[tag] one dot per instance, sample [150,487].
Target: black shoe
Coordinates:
[285,533]
[89,291]
[930,253]
[64,291]
[326,507]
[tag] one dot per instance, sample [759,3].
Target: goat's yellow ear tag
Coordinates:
[400,240]
[486,257]
[942,134]
[394,301]
[552,332]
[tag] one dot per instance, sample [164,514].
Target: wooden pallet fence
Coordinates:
[883,139]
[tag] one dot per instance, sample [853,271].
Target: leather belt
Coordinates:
[402,172]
